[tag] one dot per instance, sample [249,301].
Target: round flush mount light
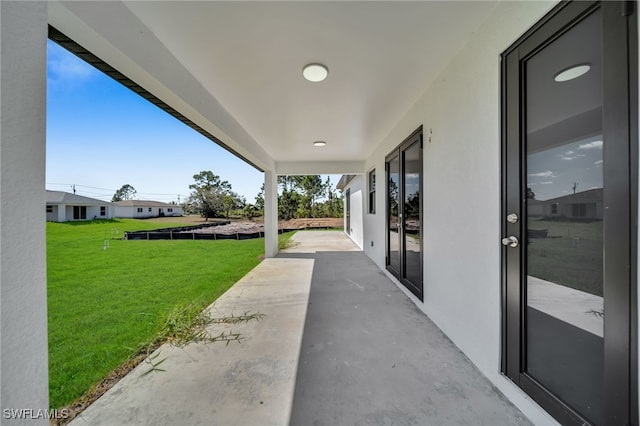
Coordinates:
[315,72]
[572,72]
[319,143]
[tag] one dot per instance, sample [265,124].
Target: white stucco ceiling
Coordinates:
[249,56]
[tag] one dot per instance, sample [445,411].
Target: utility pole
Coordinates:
[74,188]
[575,185]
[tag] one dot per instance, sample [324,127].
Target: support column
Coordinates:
[270,214]
[23,282]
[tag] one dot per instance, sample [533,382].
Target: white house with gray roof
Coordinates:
[141,209]
[64,207]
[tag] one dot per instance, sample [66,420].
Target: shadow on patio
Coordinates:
[369,356]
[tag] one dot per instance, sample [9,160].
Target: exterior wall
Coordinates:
[460,114]
[23,282]
[132,212]
[356,185]
[53,216]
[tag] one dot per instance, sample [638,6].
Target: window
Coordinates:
[103,210]
[139,209]
[579,210]
[149,208]
[554,208]
[170,210]
[49,209]
[79,212]
[372,191]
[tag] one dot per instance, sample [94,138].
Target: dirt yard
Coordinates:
[255,225]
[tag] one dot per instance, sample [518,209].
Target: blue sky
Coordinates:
[100,136]
[553,172]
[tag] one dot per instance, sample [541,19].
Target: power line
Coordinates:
[165,194]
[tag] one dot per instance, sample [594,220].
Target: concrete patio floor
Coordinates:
[339,344]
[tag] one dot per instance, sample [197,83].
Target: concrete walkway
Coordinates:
[371,357]
[368,356]
[244,384]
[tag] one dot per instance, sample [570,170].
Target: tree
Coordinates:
[249,211]
[259,205]
[312,188]
[530,194]
[231,201]
[126,192]
[208,193]
[288,203]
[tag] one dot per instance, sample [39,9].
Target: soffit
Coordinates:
[249,57]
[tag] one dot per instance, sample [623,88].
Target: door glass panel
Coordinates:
[393,214]
[564,205]
[347,198]
[412,236]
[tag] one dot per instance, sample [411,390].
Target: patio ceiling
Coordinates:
[235,68]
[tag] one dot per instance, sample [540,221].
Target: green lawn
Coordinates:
[571,254]
[103,305]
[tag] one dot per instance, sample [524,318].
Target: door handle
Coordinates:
[510,241]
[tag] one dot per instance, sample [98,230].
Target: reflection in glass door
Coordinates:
[567,240]
[393,214]
[564,326]
[404,213]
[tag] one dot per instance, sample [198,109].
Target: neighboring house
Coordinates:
[64,207]
[141,209]
[582,205]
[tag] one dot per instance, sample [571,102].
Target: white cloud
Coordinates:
[546,183]
[598,162]
[591,145]
[65,67]
[569,153]
[547,174]
[569,158]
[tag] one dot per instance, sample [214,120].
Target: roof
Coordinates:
[591,195]
[142,203]
[60,197]
[344,181]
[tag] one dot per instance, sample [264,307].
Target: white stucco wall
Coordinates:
[53,216]
[132,212]
[356,187]
[23,290]
[460,112]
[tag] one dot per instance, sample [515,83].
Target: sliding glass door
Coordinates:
[404,213]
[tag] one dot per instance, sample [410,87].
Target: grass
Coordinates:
[571,254]
[105,305]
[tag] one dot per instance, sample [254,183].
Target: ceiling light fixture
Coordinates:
[315,72]
[319,143]
[572,72]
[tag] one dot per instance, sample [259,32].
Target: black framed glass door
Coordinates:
[347,201]
[404,213]
[568,185]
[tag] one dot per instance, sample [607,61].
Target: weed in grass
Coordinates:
[597,312]
[187,324]
[284,241]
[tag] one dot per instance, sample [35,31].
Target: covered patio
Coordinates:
[419,107]
[322,354]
